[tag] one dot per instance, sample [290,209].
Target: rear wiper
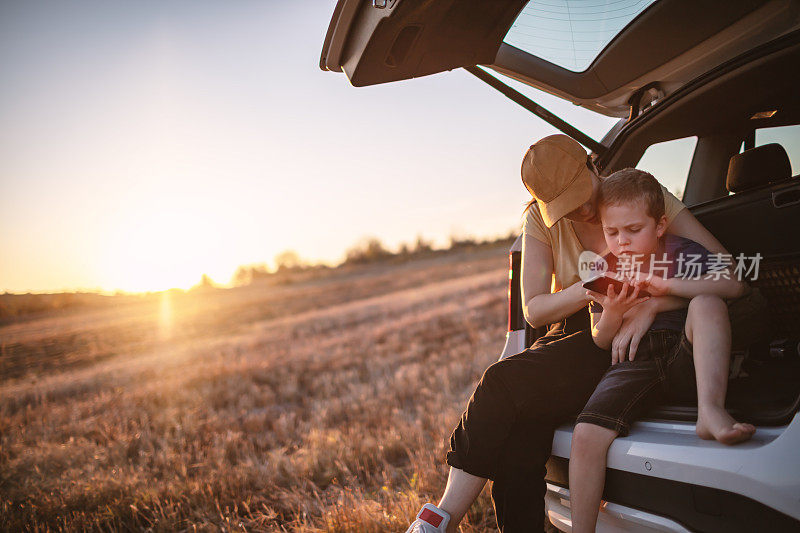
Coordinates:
[538,110]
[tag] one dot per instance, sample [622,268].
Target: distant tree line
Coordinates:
[289,267]
[366,251]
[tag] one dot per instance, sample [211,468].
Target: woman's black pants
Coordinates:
[506,432]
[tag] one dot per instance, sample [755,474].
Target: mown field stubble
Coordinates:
[324,405]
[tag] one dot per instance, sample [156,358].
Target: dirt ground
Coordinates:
[324,405]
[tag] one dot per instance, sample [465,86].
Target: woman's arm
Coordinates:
[541,307]
[730,288]
[687,226]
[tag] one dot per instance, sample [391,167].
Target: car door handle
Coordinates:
[786,198]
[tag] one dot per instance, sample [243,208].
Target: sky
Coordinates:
[143,144]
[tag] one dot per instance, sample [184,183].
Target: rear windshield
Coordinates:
[571,33]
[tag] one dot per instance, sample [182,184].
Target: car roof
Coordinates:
[662,48]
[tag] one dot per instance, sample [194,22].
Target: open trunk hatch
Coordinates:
[411,38]
[637,52]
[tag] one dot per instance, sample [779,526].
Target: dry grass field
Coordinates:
[324,405]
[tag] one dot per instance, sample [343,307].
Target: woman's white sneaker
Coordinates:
[430,519]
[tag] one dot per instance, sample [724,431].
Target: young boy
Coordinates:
[631,209]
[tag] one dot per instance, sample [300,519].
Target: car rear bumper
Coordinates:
[612,517]
[665,470]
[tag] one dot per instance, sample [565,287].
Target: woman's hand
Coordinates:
[634,326]
[580,293]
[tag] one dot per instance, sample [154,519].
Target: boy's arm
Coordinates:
[604,326]
[689,288]
[726,286]
[659,304]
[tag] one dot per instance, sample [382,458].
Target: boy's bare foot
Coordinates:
[716,423]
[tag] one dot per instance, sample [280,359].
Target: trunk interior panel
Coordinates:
[767,392]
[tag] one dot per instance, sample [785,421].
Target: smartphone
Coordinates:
[601,282]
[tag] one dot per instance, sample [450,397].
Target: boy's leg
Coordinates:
[627,390]
[708,329]
[587,473]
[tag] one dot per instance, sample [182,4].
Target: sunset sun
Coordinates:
[158,250]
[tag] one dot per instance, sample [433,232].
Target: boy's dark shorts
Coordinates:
[663,364]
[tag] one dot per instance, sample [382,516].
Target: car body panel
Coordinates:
[757,469]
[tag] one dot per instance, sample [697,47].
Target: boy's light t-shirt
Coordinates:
[566,246]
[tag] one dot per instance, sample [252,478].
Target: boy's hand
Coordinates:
[617,304]
[655,285]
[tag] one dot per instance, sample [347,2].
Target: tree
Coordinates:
[422,245]
[288,260]
[367,250]
[247,274]
[243,276]
[205,283]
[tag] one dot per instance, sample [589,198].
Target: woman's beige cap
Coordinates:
[554,171]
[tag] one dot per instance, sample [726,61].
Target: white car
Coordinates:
[711,87]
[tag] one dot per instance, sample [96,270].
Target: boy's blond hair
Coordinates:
[629,185]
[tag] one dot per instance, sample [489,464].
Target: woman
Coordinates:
[506,432]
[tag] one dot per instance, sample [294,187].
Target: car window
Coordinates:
[571,34]
[669,162]
[786,136]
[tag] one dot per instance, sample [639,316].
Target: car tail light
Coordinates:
[516,320]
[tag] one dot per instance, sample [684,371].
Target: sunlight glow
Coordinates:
[165,317]
[160,247]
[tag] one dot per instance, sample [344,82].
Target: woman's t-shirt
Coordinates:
[566,246]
